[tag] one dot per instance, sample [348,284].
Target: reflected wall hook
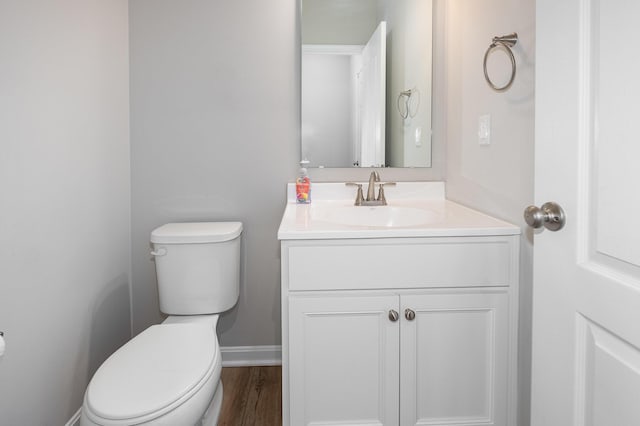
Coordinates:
[506,42]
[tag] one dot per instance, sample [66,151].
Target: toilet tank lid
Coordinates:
[196,232]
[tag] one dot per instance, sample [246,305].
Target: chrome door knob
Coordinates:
[550,215]
[409,314]
[393,315]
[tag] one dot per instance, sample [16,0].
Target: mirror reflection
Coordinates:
[366,83]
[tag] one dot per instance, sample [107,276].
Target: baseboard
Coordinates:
[244,356]
[75,420]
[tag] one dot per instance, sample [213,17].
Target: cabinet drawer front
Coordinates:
[380,264]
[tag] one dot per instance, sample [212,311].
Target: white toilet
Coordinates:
[170,373]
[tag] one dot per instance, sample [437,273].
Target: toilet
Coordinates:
[170,373]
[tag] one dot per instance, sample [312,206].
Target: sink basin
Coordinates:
[381,216]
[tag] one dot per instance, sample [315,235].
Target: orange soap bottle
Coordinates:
[303,185]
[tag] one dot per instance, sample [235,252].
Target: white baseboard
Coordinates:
[244,356]
[75,420]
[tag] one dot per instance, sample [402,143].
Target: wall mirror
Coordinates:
[366,83]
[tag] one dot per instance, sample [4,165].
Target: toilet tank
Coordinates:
[197,266]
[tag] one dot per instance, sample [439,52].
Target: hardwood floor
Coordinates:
[252,396]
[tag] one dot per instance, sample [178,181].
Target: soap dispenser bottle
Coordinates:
[303,184]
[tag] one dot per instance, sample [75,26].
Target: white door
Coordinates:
[586,296]
[371,99]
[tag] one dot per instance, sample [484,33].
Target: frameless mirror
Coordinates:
[366,83]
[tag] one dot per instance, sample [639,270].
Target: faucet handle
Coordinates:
[381,196]
[359,196]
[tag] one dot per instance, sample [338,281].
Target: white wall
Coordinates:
[215,136]
[350,22]
[328,109]
[496,179]
[64,192]
[409,49]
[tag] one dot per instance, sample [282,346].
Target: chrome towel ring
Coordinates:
[404,105]
[506,42]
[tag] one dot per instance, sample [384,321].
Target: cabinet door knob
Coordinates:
[393,315]
[409,314]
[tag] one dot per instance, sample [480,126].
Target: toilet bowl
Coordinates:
[170,373]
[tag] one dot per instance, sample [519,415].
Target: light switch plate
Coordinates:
[484,129]
[418,135]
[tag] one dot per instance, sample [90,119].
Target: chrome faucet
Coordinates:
[371,199]
[371,190]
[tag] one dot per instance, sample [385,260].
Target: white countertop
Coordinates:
[415,209]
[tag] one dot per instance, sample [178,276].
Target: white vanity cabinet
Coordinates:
[400,331]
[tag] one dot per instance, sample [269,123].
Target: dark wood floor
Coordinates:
[252,396]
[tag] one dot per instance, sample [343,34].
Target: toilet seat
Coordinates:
[153,374]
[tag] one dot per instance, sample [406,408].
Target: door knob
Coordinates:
[550,215]
[409,314]
[393,315]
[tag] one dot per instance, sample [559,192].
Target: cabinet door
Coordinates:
[343,360]
[454,359]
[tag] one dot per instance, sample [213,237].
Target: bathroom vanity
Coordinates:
[403,314]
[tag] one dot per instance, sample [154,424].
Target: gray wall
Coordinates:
[496,179]
[214,136]
[64,191]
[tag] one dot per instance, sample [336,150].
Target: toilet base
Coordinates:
[212,414]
